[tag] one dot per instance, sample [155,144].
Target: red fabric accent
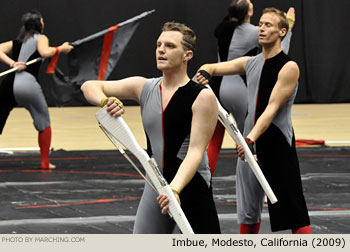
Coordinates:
[306,142]
[44,144]
[214,146]
[249,140]
[106,50]
[250,228]
[51,68]
[302,230]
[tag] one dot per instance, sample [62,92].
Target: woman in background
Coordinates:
[22,88]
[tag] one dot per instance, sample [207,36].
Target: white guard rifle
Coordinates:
[116,128]
[230,126]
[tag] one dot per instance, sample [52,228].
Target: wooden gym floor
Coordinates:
[75,128]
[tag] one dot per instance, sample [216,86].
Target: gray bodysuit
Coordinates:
[233,89]
[26,89]
[168,133]
[22,88]
[276,152]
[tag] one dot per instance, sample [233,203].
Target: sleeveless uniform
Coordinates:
[168,135]
[231,90]
[22,88]
[243,41]
[275,150]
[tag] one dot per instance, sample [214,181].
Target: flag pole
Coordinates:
[103,32]
[142,15]
[14,69]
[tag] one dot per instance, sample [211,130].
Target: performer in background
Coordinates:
[237,37]
[272,81]
[179,117]
[22,88]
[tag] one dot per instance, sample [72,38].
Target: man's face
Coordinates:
[269,31]
[169,53]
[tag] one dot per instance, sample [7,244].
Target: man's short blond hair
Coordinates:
[188,35]
[283,23]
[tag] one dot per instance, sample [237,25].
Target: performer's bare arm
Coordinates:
[284,88]
[5,49]
[204,119]
[47,51]
[236,66]
[128,88]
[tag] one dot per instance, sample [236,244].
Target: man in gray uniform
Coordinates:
[179,118]
[237,37]
[272,80]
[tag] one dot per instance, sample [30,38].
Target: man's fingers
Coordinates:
[163,202]
[113,109]
[240,152]
[165,210]
[205,74]
[201,79]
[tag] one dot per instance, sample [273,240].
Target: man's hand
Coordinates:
[20,65]
[240,149]
[204,74]
[291,17]
[114,106]
[163,200]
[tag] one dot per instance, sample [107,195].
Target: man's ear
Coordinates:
[283,32]
[188,55]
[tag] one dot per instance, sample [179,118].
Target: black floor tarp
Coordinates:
[97,192]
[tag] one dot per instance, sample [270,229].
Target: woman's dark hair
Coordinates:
[238,10]
[31,24]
